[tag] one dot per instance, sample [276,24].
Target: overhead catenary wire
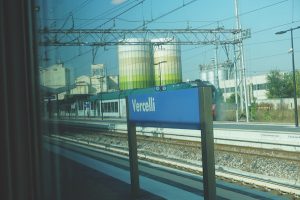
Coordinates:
[123,12]
[274,27]
[252,59]
[88,51]
[184,4]
[159,17]
[269,56]
[264,7]
[111,11]
[107,12]
[79,7]
[215,21]
[167,13]
[258,43]
[245,13]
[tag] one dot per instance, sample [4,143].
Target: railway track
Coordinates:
[293,191]
[266,153]
[266,139]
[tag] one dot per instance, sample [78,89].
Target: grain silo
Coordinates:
[211,75]
[203,72]
[207,73]
[167,61]
[135,64]
[222,73]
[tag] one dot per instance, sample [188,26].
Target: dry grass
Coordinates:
[261,113]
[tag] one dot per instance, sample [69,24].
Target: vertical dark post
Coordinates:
[133,158]
[95,108]
[207,143]
[49,108]
[76,108]
[119,106]
[57,106]
[294,82]
[101,107]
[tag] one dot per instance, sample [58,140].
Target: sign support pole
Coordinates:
[207,143]
[133,157]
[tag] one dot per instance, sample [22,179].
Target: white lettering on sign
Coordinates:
[147,106]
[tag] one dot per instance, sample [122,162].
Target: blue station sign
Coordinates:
[168,109]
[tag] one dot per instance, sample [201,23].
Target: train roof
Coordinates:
[170,87]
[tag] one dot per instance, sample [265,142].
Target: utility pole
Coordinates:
[294,74]
[235,87]
[243,89]
[216,71]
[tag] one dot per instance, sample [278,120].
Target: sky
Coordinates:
[263,52]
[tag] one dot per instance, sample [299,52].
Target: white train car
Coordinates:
[110,104]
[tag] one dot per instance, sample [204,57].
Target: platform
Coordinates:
[75,181]
[90,174]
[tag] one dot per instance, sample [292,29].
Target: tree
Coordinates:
[288,77]
[231,98]
[298,83]
[288,91]
[280,85]
[274,83]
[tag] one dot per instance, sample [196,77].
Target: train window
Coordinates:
[116,107]
[80,105]
[110,107]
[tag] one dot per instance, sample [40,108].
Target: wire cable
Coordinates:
[107,13]
[245,13]
[167,13]
[148,22]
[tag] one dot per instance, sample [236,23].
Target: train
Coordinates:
[113,104]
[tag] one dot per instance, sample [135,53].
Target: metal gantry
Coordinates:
[110,37]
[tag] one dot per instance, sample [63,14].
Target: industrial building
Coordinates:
[256,86]
[256,91]
[82,85]
[100,81]
[56,81]
[223,77]
[93,84]
[55,76]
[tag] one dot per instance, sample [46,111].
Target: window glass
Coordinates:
[94,55]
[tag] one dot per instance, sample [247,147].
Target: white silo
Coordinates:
[167,61]
[135,64]
[203,73]
[222,73]
[210,74]
[207,73]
